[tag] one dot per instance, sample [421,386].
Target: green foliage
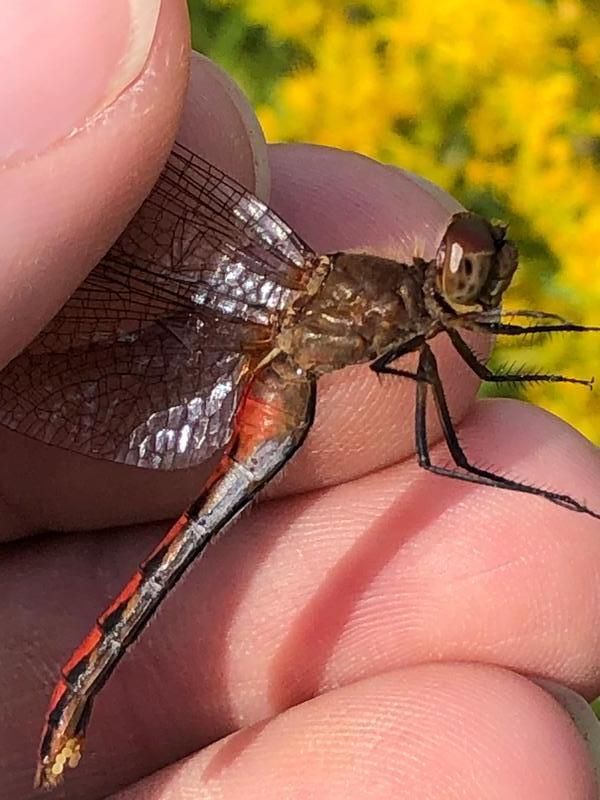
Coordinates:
[248,51]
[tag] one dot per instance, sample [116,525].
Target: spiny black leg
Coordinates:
[422,446]
[472,474]
[496,315]
[534,315]
[381,364]
[482,371]
[421,443]
[400,373]
[508,329]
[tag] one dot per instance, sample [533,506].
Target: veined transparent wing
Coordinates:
[145,363]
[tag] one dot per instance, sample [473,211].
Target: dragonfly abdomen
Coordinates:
[270,425]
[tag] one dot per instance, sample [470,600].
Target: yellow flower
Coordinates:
[495,101]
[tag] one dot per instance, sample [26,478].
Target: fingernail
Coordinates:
[63,63]
[583,717]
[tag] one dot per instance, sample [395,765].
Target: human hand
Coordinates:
[361,584]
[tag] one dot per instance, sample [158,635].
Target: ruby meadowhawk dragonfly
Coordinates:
[206,328]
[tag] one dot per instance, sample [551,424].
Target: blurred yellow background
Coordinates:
[495,101]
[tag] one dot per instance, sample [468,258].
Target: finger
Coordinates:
[422,733]
[45,487]
[320,591]
[340,200]
[219,123]
[82,81]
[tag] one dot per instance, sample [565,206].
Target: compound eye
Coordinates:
[475,261]
[464,275]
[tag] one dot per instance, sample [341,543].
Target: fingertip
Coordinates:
[63,208]
[338,200]
[431,731]
[219,123]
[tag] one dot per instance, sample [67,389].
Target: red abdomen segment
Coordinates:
[271,423]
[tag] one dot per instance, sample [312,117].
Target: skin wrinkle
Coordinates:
[495,569]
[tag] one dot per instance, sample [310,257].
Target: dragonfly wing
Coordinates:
[150,402]
[145,363]
[202,240]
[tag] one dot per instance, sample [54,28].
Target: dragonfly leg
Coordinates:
[471,473]
[483,372]
[510,329]
[271,424]
[381,365]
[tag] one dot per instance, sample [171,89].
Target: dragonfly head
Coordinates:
[475,262]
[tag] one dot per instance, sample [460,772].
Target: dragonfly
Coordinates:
[205,329]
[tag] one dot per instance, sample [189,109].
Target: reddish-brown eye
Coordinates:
[475,262]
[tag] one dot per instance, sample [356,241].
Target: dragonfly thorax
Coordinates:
[367,305]
[357,314]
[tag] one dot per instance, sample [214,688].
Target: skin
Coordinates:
[405,609]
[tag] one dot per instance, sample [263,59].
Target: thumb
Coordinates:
[90,100]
